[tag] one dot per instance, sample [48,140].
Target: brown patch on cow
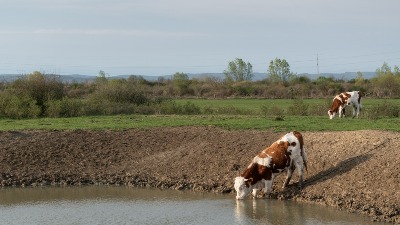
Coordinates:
[280,160]
[263,154]
[299,137]
[255,173]
[336,104]
[280,155]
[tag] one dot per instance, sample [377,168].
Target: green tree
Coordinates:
[279,71]
[101,77]
[387,83]
[396,71]
[238,70]
[181,83]
[359,79]
[39,87]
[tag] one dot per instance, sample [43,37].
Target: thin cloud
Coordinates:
[103,32]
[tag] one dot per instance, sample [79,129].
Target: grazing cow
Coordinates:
[287,153]
[344,99]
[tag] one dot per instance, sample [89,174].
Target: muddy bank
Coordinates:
[357,171]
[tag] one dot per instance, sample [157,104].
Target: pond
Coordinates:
[127,205]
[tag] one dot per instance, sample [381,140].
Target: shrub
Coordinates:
[18,107]
[385,109]
[119,91]
[170,107]
[231,110]
[298,108]
[318,110]
[274,111]
[40,87]
[190,109]
[65,108]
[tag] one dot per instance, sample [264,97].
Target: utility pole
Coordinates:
[317,65]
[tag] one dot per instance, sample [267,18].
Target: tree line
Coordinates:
[45,95]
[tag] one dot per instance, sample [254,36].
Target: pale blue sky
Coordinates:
[160,37]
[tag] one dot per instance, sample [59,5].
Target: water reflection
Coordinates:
[269,211]
[125,205]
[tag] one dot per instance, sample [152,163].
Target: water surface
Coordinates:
[125,205]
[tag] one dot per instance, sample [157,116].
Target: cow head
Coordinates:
[348,102]
[331,114]
[242,187]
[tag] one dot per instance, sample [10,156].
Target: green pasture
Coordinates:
[254,105]
[254,119]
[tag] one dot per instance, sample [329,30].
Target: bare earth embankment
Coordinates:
[357,171]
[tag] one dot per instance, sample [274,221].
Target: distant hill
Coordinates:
[257,76]
[344,76]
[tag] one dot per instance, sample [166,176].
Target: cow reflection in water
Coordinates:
[287,153]
[263,212]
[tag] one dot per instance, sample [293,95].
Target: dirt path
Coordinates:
[358,171]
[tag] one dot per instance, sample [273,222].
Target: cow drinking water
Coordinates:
[287,153]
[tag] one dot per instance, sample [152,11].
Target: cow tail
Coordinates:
[304,155]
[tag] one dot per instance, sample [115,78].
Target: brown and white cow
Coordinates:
[344,99]
[287,153]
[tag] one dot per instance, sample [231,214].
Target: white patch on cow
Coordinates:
[295,150]
[242,191]
[353,101]
[240,188]
[263,161]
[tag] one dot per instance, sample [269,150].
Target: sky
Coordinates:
[162,37]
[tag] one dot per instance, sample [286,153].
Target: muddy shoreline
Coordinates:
[356,171]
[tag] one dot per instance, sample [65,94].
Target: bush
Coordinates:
[40,87]
[318,110]
[386,109]
[298,108]
[120,92]
[171,107]
[190,109]
[18,107]
[275,112]
[65,108]
[231,110]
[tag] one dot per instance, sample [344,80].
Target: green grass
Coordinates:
[251,119]
[251,105]
[234,122]
[255,104]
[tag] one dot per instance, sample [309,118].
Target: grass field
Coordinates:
[255,104]
[252,120]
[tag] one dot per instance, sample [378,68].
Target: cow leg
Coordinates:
[255,192]
[299,165]
[358,111]
[355,111]
[340,111]
[268,186]
[288,176]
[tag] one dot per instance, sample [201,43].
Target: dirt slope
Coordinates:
[358,171]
